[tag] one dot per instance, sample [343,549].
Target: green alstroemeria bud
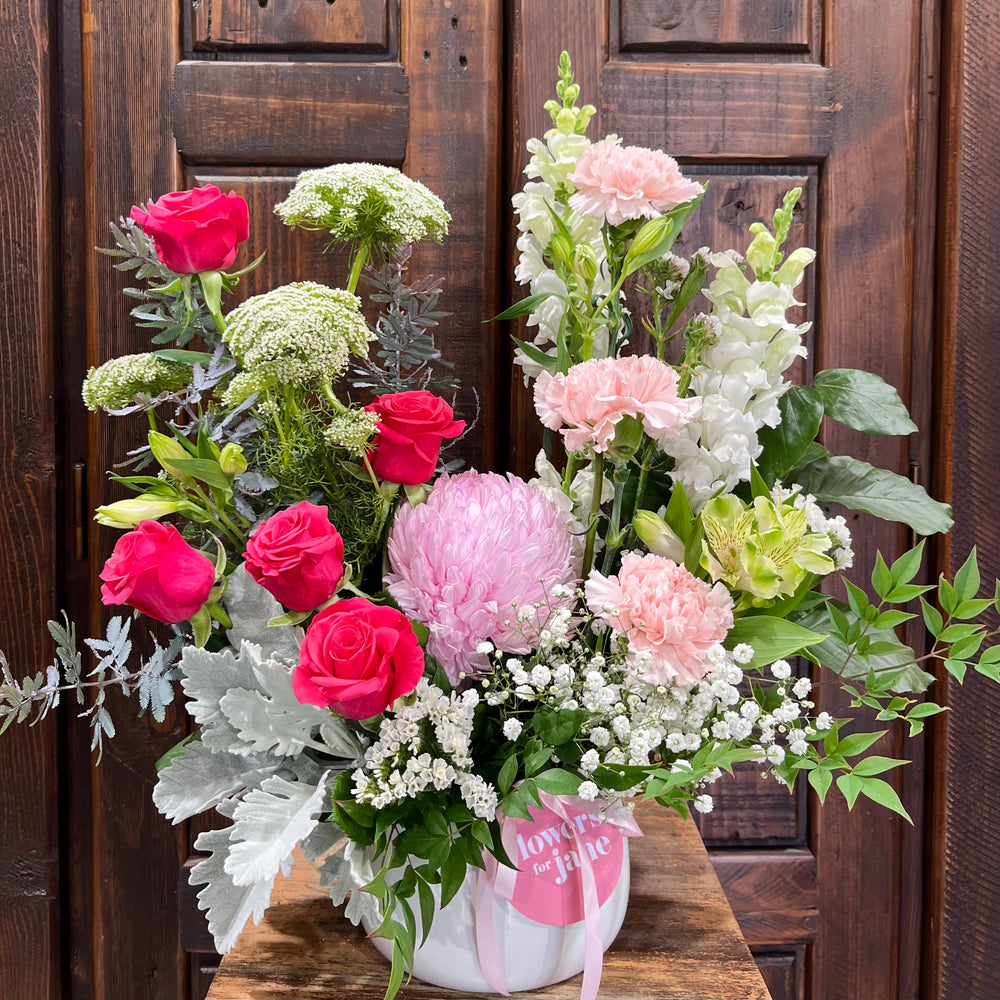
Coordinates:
[561,248]
[653,240]
[129,513]
[232,461]
[168,451]
[585,263]
[627,440]
[658,536]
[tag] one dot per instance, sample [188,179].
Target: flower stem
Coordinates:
[595,510]
[359,261]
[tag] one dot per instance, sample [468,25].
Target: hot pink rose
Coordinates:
[297,555]
[196,230]
[593,397]
[413,425]
[666,612]
[154,570]
[357,658]
[628,182]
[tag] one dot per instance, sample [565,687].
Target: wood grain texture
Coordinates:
[704,25]
[724,111]
[452,53]
[343,26]
[29,832]
[325,112]
[963,933]
[679,938]
[866,301]
[129,156]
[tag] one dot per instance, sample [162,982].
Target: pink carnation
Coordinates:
[465,562]
[628,182]
[592,397]
[665,612]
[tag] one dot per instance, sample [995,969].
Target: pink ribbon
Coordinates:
[499,880]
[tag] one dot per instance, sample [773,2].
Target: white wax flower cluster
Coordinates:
[740,375]
[552,161]
[400,764]
[293,335]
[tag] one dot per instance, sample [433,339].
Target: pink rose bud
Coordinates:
[196,230]
[357,658]
[154,570]
[412,427]
[297,555]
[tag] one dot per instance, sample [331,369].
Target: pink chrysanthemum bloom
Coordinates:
[594,396]
[472,562]
[665,612]
[628,182]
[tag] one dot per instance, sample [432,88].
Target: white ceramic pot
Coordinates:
[530,954]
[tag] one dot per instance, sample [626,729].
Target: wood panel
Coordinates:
[963,933]
[129,156]
[756,25]
[783,971]
[317,25]
[314,113]
[29,825]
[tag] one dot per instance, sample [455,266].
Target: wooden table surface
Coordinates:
[679,940]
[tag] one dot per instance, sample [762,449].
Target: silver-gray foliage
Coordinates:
[251,607]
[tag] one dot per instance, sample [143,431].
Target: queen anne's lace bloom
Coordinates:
[117,382]
[294,334]
[365,202]
[479,560]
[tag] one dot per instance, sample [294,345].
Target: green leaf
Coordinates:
[850,787]
[481,831]
[536,759]
[434,822]
[556,728]
[523,308]
[772,638]
[556,781]
[204,469]
[851,746]
[881,576]
[932,617]
[452,876]
[289,618]
[906,567]
[821,779]
[184,357]
[862,401]
[885,795]
[876,765]
[175,751]
[507,774]
[989,668]
[785,445]
[924,710]
[425,896]
[967,579]
[890,619]
[860,486]
[547,361]
[834,652]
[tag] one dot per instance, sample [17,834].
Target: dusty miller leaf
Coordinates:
[251,607]
[267,825]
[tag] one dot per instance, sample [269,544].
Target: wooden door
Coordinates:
[245,94]
[758,98]
[104,104]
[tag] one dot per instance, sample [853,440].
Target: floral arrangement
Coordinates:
[387,659]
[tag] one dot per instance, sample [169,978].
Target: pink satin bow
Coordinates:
[499,880]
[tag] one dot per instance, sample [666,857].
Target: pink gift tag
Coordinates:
[550,853]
